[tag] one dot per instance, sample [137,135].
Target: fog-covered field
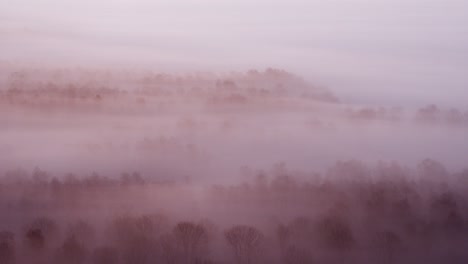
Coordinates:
[260,166]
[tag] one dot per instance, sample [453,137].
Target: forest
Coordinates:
[130,167]
[352,214]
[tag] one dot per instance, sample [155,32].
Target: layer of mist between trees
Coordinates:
[353,213]
[199,185]
[146,92]
[203,124]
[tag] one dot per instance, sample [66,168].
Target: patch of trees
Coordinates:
[433,114]
[81,90]
[351,214]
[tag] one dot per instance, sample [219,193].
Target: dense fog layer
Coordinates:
[385,51]
[257,166]
[206,126]
[167,131]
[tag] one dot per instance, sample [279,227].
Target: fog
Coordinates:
[215,120]
[196,132]
[384,52]
[257,166]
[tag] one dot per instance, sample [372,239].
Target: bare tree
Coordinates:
[246,241]
[192,239]
[168,248]
[135,237]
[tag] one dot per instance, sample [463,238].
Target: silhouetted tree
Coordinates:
[192,238]
[135,237]
[169,254]
[246,242]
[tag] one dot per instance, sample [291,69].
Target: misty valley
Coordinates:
[122,166]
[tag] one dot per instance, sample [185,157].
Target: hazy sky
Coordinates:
[372,51]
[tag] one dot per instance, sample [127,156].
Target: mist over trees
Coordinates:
[384,213]
[139,167]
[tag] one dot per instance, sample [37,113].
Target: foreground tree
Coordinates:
[135,237]
[192,239]
[246,242]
